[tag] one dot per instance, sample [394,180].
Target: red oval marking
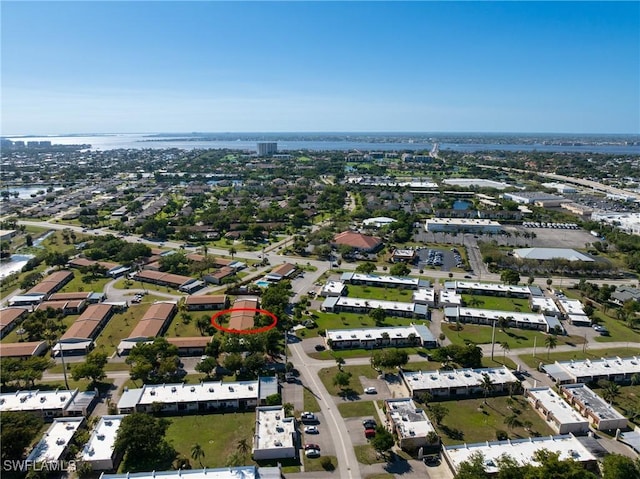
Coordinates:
[263,329]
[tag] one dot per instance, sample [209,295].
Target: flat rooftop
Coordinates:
[553,403]
[489,287]
[382,279]
[100,444]
[599,367]
[494,315]
[372,334]
[242,472]
[36,400]
[409,420]
[522,450]
[273,429]
[441,379]
[369,303]
[598,406]
[55,440]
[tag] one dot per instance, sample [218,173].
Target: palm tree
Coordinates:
[243,447]
[610,392]
[232,252]
[487,385]
[505,347]
[197,453]
[340,362]
[503,323]
[511,421]
[551,341]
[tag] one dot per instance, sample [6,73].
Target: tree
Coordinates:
[155,362]
[472,468]
[197,453]
[616,466]
[288,409]
[232,252]
[243,447]
[274,399]
[232,362]
[432,437]
[340,362]
[511,421]
[503,323]
[389,358]
[18,431]
[207,366]
[549,282]
[382,441]
[342,380]
[378,315]
[92,368]
[505,349]
[399,269]
[487,385]
[439,412]
[509,276]
[551,341]
[366,268]
[610,391]
[141,439]
[203,323]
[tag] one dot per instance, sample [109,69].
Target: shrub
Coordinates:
[327,464]
[501,435]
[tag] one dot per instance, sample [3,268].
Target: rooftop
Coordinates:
[550,253]
[588,368]
[241,472]
[409,420]
[36,400]
[442,379]
[55,440]
[372,334]
[592,401]
[100,444]
[273,429]
[553,403]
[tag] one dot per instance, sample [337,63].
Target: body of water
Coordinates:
[15,263]
[32,190]
[141,141]
[461,205]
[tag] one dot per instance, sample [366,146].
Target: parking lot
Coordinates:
[322,439]
[553,237]
[439,258]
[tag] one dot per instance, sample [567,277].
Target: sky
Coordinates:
[120,67]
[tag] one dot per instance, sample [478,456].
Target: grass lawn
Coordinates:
[468,423]
[351,320]
[368,455]
[542,357]
[123,282]
[57,369]
[516,338]
[218,434]
[326,376]
[82,385]
[81,282]
[119,327]
[178,328]
[310,401]
[315,465]
[354,353]
[497,303]
[357,409]
[373,292]
[382,475]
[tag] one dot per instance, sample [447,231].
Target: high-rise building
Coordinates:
[266,148]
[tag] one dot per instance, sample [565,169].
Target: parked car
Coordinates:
[308,447]
[432,460]
[311,430]
[370,390]
[308,417]
[369,423]
[312,453]
[369,433]
[603,331]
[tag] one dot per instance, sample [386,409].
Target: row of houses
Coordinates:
[371,338]
[535,321]
[618,370]
[79,338]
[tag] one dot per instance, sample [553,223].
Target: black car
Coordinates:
[369,424]
[432,460]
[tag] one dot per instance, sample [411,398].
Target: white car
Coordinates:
[311,430]
[312,453]
[370,390]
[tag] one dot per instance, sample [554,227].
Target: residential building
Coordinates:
[489,317]
[66,307]
[9,319]
[598,412]
[267,148]
[334,304]
[358,241]
[52,283]
[99,450]
[54,445]
[489,289]
[333,289]
[206,302]
[206,397]
[176,281]
[384,281]
[49,404]
[154,323]
[457,382]
[243,313]
[425,296]
[275,435]
[410,423]
[561,417]
[544,306]
[78,339]
[191,345]
[282,271]
[625,293]
[403,256]
[522,450]
[23,350]
[370,338]
[240,472]
[617,369]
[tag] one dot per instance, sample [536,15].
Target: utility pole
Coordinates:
[493,338]
[64,368]
[535,340]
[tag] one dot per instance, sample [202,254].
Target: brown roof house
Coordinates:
[358,241]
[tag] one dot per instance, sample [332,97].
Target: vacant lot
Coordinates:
[496,303]
[348,321]
[470,420]
[372,292]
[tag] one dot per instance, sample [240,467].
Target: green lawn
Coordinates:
[315,464]
[368,455]
[476,422]
[119,327]
[218,434]
[543,357]
[373,292]
[349,321]
[516,338]
[626,401]
[357,409]
[178,327]
[123,282]
[310,401]
[326,376]
[354,353]
[497,303]
[81,282]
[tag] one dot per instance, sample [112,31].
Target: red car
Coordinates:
[311,446]
[368,433]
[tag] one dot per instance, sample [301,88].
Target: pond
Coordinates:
[462,205]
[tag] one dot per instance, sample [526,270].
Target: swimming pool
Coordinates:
[262,283]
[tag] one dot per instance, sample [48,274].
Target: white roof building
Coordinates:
[241,472]
[490,289]
[275,435]
[629,222]
[543,254]
[384,280]
[556,412]
[377,337]
[587,370]
[333,288]
[456,382]
[479,182]
[53,445]
[544,305]
[522,450]
[203,397]
[410,423]
[489,316]
[364,305]
[99,449]
[449,298]
[597,411]
[48,403]
[378,221]
[425,296]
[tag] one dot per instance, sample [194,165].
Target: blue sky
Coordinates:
[303,66]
